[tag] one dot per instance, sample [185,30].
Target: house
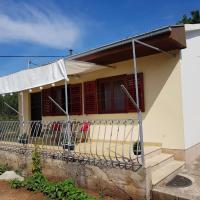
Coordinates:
[166,88]
[168,63]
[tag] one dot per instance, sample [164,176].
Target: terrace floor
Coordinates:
[93,149]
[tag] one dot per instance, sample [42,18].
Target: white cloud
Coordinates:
[46,26]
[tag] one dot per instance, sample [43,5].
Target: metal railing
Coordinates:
[112,143]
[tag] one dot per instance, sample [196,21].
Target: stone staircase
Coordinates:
[162,165]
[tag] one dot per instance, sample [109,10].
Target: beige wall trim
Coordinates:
[192,153]
[179,154]
[188,155]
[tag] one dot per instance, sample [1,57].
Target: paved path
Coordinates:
[192,171]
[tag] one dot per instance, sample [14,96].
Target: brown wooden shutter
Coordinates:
[141,91]
[59,96]
[90,97]
[46,102]
[131,89]
[76,99]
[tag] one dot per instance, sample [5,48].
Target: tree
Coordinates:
[5,112]
[193,19]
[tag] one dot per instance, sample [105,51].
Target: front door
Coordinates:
[36,114]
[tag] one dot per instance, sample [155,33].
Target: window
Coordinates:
[111,99]
[58,94]
[75,103]
[119,101]
[130,84]
[46,102]
[100,96]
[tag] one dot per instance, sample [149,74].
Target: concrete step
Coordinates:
[151,151]
[169,169]
[161,191]
[158,160]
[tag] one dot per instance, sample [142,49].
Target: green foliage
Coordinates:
[3,168]
[15,183]
[194,19]
[36,182]
[37,167]
[5,112]
[64,190]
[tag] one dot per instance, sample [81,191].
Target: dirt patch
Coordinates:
[8,193]
[95,194]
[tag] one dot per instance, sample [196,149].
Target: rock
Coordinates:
[10,175]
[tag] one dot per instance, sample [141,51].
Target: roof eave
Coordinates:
[125,41]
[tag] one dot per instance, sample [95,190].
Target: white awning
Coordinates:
[79,67]
[44,75]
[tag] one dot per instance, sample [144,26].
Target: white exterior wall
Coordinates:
[190,78]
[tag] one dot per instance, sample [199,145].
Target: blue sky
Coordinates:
[51,27]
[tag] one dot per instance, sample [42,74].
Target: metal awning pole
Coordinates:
[58,106]
[22,114]
[155,48]
[68,130]
[66,100]
[135,73]
[13,109]
[138,104]
[22,102]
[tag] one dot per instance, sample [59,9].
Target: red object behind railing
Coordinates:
[56,126]
[85,127]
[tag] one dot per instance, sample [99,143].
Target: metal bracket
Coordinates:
[57,105]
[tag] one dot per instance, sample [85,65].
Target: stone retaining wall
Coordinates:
[116,182]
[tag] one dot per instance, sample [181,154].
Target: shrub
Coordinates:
[15,183]
[3,168]
[36,159]
[65,190]
[36,182]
